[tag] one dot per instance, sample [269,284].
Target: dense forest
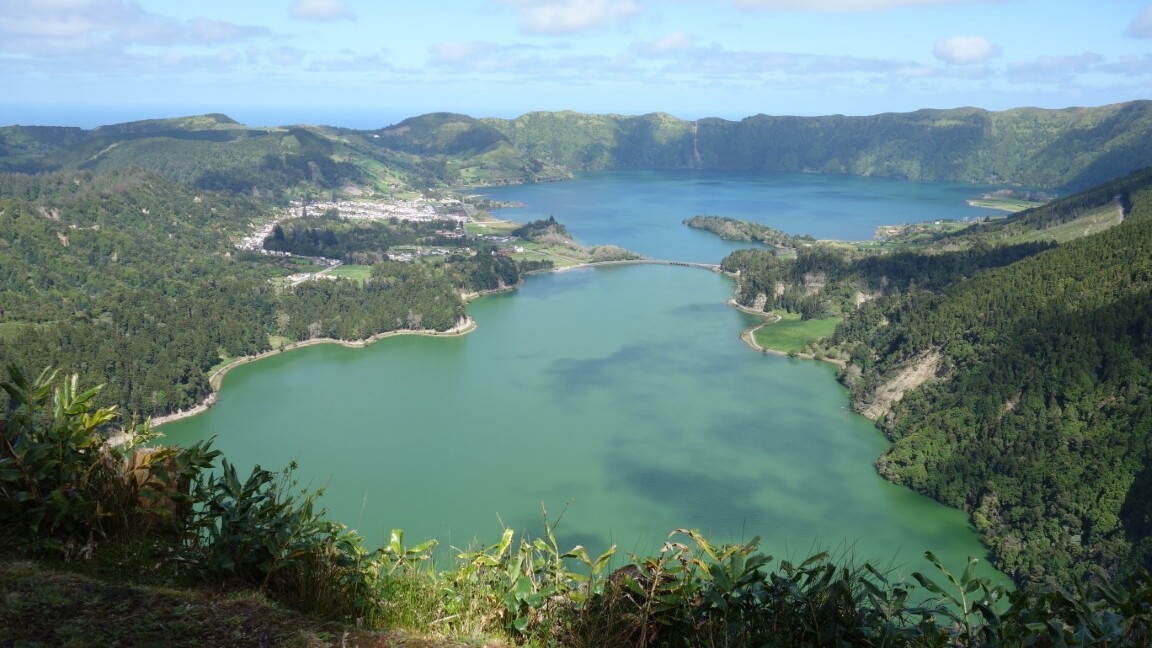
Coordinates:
[1040,420]
[1036,412]
[130,279]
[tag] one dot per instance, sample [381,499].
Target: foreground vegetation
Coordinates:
[80,492]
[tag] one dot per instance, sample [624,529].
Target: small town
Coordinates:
[419,209]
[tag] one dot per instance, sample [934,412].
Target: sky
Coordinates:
[371,63]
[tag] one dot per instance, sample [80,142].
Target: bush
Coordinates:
[61,489]
[259,532]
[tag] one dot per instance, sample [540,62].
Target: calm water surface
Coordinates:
[644,210]
[622,397]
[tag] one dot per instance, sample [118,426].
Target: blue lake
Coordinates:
[644,210]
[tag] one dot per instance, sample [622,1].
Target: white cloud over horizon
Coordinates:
[965,50]
[668,43]
[1054,70]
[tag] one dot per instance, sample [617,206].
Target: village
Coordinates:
[417,209]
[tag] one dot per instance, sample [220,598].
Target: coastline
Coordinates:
[465,326]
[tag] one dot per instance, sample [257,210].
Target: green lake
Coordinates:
[621,397]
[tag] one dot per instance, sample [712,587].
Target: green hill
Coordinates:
[131,279]
[1076,147]
[1035,413]
[1069,149]
[1010,371]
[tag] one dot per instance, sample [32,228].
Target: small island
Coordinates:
[731,229]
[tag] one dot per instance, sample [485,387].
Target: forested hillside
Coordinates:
[1068,149]
[214,152]
[1040,418]
[131,279]
[1037,148]
[1013,380]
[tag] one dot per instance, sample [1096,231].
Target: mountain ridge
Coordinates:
[1066,149]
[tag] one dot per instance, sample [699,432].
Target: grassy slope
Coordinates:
[790,334]
[41,606]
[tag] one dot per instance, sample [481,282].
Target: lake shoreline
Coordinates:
[465,326]
[748,335]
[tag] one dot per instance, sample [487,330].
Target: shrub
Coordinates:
[60,471]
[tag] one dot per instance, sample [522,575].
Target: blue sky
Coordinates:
[369,63]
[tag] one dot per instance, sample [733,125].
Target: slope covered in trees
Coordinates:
[130,279]
[1013,381]
[1041,416]
[1038,148]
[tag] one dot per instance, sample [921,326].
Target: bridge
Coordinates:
[687,264]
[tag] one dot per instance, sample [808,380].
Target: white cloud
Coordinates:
[1141,26]
[73,27]
[527,64]
[965,50]
[836,6]
[320,10]
[107,38]
[572,16]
